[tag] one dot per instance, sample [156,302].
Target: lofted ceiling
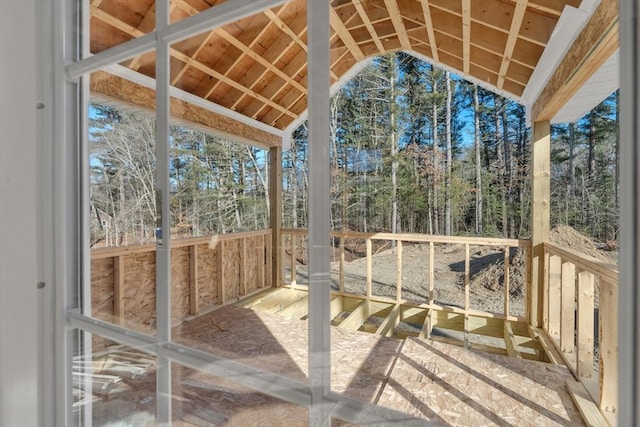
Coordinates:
[256,68]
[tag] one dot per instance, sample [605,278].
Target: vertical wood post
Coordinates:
[275,213]
[118,289]
[261,251]
[586,285]
[554,296]
[608,350]
[568,308]
[341,278]
[220,272]
[369,267]
[399,270]
[466,295]
[243,266]
[506,285]
[193,280]
[540,214]
[294,248]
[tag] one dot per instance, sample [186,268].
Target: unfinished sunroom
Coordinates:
[331,303]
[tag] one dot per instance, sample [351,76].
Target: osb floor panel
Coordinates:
[458,387]
[443,383]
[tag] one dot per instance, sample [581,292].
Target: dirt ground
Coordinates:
[486,272]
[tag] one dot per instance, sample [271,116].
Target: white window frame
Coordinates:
[68,22]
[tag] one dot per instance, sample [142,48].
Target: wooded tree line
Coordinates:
[217,186]
[413,149]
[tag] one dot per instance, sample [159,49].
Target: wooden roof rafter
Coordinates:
[368,24]
[396,18]
[426,11]
[516,22]
[343,33]
[256,66]
[466,35]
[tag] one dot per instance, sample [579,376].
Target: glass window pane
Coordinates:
[122,167]
[201,399]
[114,385]
[115,22]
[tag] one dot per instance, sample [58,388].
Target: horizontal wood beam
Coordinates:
[128,93]
[597,42]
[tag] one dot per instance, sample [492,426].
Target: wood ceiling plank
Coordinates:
[345,35]
[367,22]
[254,75]
[516,23]
[478,18]
[426,10]
[147,25]
[285,28]
[396,18]
[236,61]
[466,35]
[253,55]
[228,81]
[595,44]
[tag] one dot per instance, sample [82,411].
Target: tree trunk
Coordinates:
[436,160]
[501,166]
[476,109]
[508,170]
[395,228]
[447,207]
[591,160]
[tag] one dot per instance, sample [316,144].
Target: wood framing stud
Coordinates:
[294,261]
[608,349]
[118,289]
[221,273]
[506,284]
[510,341]
[342,260]
[585,324]
[554,296]
[568,308]
[243,266]
[193,280]
[399,270]
[369,267]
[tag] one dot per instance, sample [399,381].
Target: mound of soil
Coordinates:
[568,237]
